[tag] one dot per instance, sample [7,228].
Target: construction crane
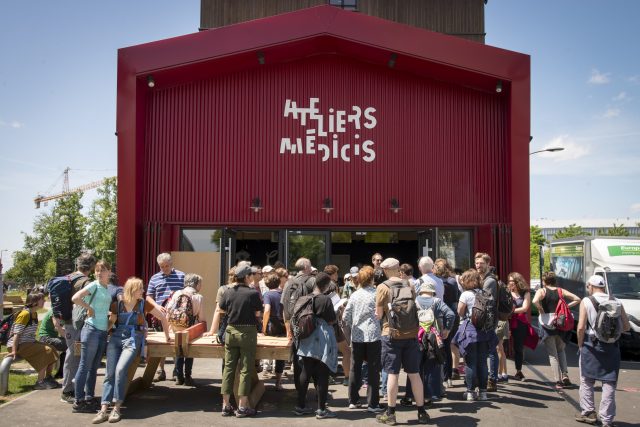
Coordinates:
[65,189]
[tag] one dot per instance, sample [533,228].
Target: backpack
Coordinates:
[79,313]
[61,289]
[483,312]
[564,318]
[5,327]
[303,321]
[426,317]
[505,300]
[403,313]
[432,346]
[181,312]
[608,327]
[451,293]
[292,293]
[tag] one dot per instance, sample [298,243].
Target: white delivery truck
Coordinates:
[617,259]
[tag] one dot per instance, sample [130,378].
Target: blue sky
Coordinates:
[58,97]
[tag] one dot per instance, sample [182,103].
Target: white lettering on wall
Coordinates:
[322,137]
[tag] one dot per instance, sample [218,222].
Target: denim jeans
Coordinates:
[93,342]
[476,371]
[71,361]
[494,362]
[183,367]
[121,352]
[383,382]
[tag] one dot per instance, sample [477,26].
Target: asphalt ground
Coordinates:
[531,402]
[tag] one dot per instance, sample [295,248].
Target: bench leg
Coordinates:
[150,371]
[5,367]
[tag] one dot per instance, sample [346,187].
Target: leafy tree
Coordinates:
[58,234]
[616,230]
[537,239]
[572,230]
[103,221]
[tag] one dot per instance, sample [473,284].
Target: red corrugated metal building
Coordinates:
[323,131]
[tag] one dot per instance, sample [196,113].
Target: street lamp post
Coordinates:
[550,150]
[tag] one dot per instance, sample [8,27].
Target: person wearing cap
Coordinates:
[546,300]
[599,361]
[349,287]
[318,352]
[263,287]
[242,305]
[400,350]
[430,369]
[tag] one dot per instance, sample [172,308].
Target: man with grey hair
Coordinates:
[425,264]
[84,267]
[161,286]
[178,306]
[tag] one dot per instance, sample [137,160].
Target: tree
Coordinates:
[616,230]
[537,239]
[103,221]
[58,234]
[572,230]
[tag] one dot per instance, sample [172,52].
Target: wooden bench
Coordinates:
[191,343]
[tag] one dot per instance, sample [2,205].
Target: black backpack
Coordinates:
[483,313]
[433,348]
[61,289]
[5,327]
[297,288]
[303,321]
[505,300]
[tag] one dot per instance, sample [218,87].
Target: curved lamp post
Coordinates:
[550,150]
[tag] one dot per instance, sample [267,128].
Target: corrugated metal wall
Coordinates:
[214,145]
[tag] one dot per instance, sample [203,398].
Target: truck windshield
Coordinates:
[624,285]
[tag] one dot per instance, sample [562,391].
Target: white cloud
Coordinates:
[635,207]
[598,78]
[635,79]
[611,112]
[12,124]
[572,149]
[622,96]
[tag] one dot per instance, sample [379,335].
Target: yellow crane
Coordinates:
[44,199]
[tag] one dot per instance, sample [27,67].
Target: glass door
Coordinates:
[309,244]
[427,243]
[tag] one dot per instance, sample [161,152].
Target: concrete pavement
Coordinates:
[527,403]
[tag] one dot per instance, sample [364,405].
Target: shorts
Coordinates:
[38,355]
[502,330]
[400,353]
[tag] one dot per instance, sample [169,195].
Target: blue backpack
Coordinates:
[61,289]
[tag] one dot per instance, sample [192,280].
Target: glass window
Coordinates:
[200,240]
[455,247]
[345,4]
[308,244]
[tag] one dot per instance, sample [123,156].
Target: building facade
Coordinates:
[322,133]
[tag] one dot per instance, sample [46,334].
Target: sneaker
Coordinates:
[345,382]
[492,386]
[52,382]
[68,397]
[303,411]
[179,380]
[227,411]
[82,407]
[143,361]
[566,381]
[518,376]
[188,381]
[559,386]
[325,413]
[423,417]
[93,403]
[245,412]
[160,376]
[435,398]
[406,402]
[376,409]
[386,418]
[449,383]
[41,385]
[504,378]
[589,418]
[278,386]
[100,417]
[482,396]
[115,416]
[470,396]
[455,375]
[355,406]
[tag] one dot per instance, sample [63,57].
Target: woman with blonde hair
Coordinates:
[125,345]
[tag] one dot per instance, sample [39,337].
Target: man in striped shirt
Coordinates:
[161,286]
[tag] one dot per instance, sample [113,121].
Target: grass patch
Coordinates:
[19,384]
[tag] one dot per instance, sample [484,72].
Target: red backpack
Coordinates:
[564,317]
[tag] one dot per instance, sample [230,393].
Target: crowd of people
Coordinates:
[381,319]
